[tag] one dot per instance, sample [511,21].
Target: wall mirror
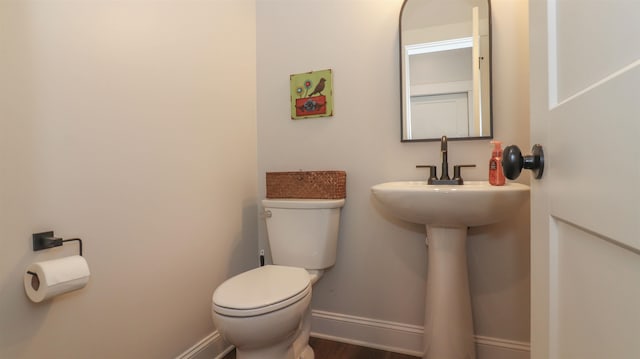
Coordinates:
[445,69]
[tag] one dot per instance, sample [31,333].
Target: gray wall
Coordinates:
[143,115]
[132,125]
[381,265]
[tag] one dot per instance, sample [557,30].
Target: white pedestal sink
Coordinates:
[447,211]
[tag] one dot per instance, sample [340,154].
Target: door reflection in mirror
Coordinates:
[445,69]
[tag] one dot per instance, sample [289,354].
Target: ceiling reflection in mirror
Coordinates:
[445,68]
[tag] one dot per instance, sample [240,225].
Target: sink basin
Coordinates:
[447,211]
[475,203]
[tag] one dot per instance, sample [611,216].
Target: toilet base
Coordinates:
[297,349]
[307,353]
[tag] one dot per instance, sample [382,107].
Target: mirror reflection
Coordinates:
[445,68]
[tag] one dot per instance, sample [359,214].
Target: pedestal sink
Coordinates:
[447,211]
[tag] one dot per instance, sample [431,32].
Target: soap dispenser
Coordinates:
[496,175]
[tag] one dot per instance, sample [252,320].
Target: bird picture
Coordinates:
[319,87]
[311,94]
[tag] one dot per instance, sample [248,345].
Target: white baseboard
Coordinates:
[503,343]
[213,346]
[379,334]
[400,337]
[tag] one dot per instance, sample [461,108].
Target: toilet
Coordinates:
[265,312]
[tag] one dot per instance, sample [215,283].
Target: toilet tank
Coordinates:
[303,232]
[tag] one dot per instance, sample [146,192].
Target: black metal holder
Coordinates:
[46,240]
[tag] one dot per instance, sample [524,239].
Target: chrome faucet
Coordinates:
[444,175]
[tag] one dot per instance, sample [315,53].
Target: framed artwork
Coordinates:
[311,95]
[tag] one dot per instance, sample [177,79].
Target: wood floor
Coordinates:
[327,349]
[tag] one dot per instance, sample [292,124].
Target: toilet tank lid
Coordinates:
[302,203]
[261,287]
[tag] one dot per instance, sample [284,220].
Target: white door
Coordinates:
[585,245]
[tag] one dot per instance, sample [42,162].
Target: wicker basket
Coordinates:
[307,184]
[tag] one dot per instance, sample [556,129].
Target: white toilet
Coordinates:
[265,312]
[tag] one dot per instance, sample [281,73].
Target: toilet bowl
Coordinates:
[265,312]
[262,312]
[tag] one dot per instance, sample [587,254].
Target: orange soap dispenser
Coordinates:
[496,176]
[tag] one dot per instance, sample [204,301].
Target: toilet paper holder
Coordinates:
[46,240]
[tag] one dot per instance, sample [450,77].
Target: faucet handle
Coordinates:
[456,172]
[432,172]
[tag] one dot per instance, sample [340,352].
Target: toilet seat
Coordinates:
[261,290]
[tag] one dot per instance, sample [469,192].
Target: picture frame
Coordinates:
[311,94]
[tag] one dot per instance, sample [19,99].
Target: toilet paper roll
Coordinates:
[55,277]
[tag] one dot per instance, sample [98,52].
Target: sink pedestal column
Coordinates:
[448,326]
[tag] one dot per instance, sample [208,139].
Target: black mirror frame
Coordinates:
[402,139]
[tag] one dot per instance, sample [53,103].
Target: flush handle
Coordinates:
[268,213]
[513,162]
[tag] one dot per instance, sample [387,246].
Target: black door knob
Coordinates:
[513,162]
